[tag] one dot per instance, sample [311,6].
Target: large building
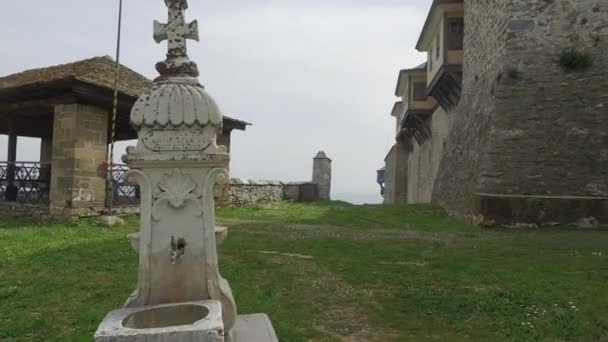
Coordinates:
[508,119]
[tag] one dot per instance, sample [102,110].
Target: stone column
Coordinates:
[222,192]
[46,150]
[80,145]
[321,175]
[46,158]
[11,190]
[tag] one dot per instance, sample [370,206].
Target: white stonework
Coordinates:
[186,322]
[176,164]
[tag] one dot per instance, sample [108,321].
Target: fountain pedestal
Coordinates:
[181,295]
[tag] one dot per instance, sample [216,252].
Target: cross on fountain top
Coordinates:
[176,32]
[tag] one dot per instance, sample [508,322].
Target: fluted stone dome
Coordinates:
[176,104]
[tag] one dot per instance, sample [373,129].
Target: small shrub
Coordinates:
[571,59]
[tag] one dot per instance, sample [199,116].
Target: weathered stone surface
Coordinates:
[177,165]
[301,191]
[538,210]
[588,223]
[80,137]
[110,221]
[177,173]
[321,175]
[521,24]
[254,328]
[221,233]
[542,132]
[251,192]
[184,322]
[33,212]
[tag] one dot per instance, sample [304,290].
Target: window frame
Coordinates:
[419,88]
[455,33]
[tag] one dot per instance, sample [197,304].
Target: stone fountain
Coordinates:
[181,295]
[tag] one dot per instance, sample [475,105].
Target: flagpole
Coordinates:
[114,112]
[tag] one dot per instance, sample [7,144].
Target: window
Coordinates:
[420,91]
[437,46]
[455,33]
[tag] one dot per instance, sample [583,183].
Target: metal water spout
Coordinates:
[177,249]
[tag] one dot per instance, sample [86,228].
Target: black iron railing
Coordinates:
[29,183]
[25,182]
[123,192]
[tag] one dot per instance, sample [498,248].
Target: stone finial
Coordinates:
[321,155]
[176,32]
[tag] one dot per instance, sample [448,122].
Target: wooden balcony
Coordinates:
[446,86]
[415,125]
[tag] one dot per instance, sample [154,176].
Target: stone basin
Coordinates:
[221,233]
[193,321]
[167,316]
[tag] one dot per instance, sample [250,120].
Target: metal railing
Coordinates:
[25,182]
[29,183]
[123,192]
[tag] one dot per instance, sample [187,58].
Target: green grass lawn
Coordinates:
[329,272]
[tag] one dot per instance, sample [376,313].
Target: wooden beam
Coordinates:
[27,105]
[41,127]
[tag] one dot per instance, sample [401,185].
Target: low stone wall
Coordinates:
[43,213]
[25,211]
[243,192]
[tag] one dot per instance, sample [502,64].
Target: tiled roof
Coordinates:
[98,71]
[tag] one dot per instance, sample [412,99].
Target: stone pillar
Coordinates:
[223,139]
[46,158]
[46,150]
[222,191]
[80,145]
[321,175]
[11,190]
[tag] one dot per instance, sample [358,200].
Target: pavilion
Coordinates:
[69,108]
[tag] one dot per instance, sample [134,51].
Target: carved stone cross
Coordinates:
[176,32]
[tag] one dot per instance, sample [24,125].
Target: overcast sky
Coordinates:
[310,75]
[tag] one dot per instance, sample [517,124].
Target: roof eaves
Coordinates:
[429,19]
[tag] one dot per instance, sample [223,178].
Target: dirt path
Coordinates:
[343,314]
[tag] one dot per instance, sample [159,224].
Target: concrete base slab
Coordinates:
[253,328]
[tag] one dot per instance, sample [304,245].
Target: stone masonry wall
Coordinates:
[424,160]
[80,142]
[550,130]
[524,126]
[244,192]
[390,179]
[484,47]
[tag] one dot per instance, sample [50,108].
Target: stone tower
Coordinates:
[321,175]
